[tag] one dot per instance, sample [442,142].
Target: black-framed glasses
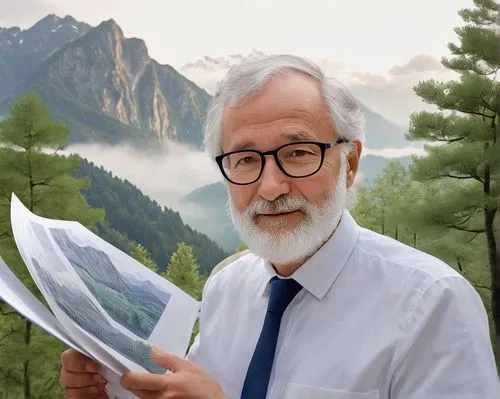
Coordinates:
[299,159]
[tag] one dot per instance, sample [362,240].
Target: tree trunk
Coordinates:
[26,363]
[494,261]
[27,323]
[495,239]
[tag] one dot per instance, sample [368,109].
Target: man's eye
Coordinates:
[298,153]
[246,161]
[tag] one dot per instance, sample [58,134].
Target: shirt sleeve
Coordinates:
[446,352]
[193,352]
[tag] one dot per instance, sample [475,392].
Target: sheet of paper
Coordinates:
[115,308]
[13,292]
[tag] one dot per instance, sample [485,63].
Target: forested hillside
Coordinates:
[132,216]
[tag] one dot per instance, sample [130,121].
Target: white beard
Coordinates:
[283,245]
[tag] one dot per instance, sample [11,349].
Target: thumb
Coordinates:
[167,360]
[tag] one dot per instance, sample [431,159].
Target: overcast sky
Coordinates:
[364,35]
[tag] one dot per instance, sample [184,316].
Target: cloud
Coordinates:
[391,94]
[419,63]
[395,152]
[165,176]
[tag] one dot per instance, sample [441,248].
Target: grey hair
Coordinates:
[249,76]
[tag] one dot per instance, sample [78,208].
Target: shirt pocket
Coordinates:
[298,391]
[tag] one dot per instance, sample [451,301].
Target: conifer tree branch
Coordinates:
[4,313]
[8,376]
[471,239]
[454,226]
[449,140]
[456,177]
[42,183]
[487,104]
[12,331]
[5,235]
[484,287]
[467,218]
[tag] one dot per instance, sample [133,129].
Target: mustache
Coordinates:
[279,205]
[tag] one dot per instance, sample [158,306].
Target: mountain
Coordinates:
[132,217]
[208,71]
[372,165]
[380,132]
[22,51]
[108,89]
[105,86]
[95,262]
[205,208]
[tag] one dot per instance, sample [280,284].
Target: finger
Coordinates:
[76,380]
[146,394]
[94,391]
[77,362]
[144,381]
[168,360]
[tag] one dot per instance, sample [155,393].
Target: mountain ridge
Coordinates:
[205,208]
[107,88]
[380,132]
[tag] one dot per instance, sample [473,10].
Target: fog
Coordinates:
[169,175]
[165,177]
[394,152]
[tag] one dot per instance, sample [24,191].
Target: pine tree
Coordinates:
[31,168]
[183,271]
[380,207]
[141,254]
[241,247]
[466,164]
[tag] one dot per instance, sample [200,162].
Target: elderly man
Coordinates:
[319,307]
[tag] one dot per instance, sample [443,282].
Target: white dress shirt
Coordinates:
[375,319]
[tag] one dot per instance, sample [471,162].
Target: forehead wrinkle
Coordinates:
[287,137]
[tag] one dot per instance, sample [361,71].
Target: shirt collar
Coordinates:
[321,270]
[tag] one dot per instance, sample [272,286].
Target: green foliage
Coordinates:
[42,181]
[379,208]
[141,220]
[183,271]
[463,172]
[241,247]
[413,213]
[141,254]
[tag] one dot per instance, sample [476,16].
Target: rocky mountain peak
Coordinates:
[22,51]
[122,90]
[110,26]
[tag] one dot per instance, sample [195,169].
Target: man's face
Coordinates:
[280,217]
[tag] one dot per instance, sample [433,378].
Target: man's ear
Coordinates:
[353,162]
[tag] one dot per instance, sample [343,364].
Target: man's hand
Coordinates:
[80,377]
[187,381]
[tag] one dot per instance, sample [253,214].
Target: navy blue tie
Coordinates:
[259,370]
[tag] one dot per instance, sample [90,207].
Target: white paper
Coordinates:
[13,292]
[111,305]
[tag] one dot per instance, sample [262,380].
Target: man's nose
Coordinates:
[273,183]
